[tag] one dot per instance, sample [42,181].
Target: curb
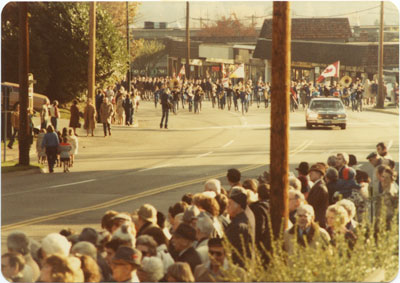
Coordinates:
[391,112]
[24,172]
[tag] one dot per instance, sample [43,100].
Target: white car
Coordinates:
[326,111]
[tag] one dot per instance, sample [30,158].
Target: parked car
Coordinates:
[35,100]
[326,112]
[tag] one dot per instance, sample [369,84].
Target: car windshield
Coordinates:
[327,104]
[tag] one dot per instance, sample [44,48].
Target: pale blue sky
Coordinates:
[363,12]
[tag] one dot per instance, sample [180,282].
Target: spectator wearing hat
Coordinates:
[125,264]
[55,243]
[126,233]
[147,218]
[18,242]
[190,215]
[249,213]
[239,226]
[120,219]
[342,159]
[216,268]
[318,196]
[183,239]
[302,171]
[12,266]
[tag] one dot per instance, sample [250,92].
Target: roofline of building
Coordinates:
[337,43]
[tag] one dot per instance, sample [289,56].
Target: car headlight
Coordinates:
[342,116]
[312,115]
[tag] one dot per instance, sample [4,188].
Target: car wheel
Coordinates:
[309,126]
[343,126]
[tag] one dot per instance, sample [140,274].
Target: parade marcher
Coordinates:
[44,115]
[128,110]
[106,112]
[89,116]
[15,125]
[318,196]
[50,143]
[75,114]
[307,230]
[54,114]
[166,104]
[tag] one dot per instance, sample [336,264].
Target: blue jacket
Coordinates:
[50,139]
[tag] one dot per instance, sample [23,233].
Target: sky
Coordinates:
[174,12]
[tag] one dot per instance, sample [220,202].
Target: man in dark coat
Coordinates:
[166,99]
[183,239]
[261,210]
[318,196]
[238,230]
[127,104]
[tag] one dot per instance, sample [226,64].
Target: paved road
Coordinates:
[149,164]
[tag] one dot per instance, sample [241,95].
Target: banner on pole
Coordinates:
[330,71]
[238,73]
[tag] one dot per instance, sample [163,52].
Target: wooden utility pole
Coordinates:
[92,51]
[381,95]
[279,145]
[24,134]
[128,74]
[187,73]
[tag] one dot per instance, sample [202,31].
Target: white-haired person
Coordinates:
[151,270]
[350,208]
[213,185]
[336,220]
[204,229]
[296,198]
[305,230]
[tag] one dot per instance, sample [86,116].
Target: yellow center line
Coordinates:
[132,197]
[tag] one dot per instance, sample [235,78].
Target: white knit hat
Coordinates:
[55,243]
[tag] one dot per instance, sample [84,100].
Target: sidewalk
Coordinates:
[393,110]
[13,154]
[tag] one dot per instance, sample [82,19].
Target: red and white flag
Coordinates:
[182,72]
[330,71]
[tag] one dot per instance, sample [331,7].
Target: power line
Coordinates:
[334,16]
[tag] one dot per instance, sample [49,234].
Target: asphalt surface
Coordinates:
[146,164]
